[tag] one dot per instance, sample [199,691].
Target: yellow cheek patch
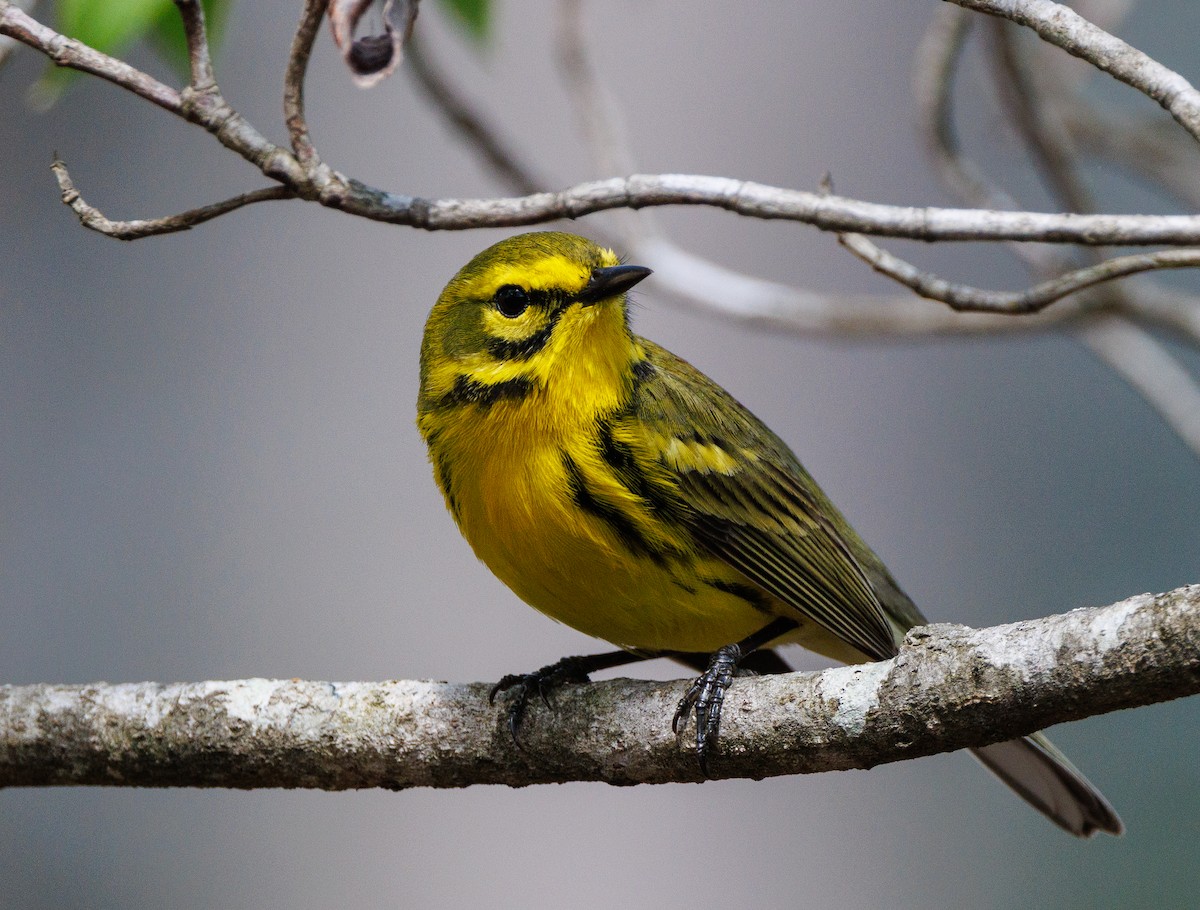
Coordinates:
[497,325]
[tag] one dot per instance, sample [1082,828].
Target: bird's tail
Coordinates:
[1043,777]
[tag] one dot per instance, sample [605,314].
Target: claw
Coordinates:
[543,681]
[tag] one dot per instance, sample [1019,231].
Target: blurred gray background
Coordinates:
[209,469]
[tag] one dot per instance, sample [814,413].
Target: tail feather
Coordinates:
[1043,777]
[1032,767]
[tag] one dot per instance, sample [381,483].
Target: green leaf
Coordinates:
[111,26]
[472,15]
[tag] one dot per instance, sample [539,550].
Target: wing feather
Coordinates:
[746,499]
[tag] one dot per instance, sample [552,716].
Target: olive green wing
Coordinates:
[746,499]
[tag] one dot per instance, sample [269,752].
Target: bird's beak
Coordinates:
[609,282]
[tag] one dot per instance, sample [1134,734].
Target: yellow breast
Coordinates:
[515,487]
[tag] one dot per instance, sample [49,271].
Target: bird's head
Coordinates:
[530,308]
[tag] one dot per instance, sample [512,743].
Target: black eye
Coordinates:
[511,300]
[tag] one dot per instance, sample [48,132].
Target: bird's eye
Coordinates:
[511,300]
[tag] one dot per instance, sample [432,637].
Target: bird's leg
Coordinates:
[706,694]
[543,681]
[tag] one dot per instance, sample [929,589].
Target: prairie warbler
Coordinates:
[616,488]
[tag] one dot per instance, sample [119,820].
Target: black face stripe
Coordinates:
[484,394]
[618,522]
[524,348]
[748,593]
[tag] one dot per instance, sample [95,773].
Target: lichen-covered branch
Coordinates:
[950,687]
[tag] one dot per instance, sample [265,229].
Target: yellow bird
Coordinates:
[619,490]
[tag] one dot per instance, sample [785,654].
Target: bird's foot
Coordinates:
[522,686]
[705,697]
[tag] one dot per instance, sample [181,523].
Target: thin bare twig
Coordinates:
[7,44]
[977,300]
[1062,26]
[699,281]
[293,84]
[1114,337]
[596,111]
[199,57]
[827,212]
[933,82]
[937,61]
[92,218]
[771,305]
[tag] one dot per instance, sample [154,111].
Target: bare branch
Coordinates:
[1125,347]
[933,82]
[293,84]
[205,108]
[92,218]
[768,304]
[968,299]
[1062,26]
[68,52]
[199,57]
[949,688]
[7,44]
[692,278]
[827,212]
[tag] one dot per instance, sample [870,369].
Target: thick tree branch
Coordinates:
[950,687]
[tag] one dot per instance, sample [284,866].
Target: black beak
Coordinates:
[609,282]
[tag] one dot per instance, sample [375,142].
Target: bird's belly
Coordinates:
[522,522]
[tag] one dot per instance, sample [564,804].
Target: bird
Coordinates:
[616,488]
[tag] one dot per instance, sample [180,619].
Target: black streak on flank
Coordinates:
[619,457]
[442,466]
[618,522]
[485,394]
[748,593]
